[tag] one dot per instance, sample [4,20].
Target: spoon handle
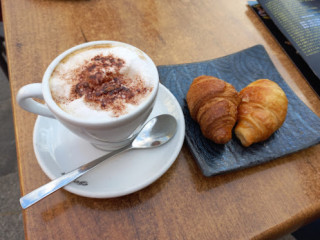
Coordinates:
[43,191]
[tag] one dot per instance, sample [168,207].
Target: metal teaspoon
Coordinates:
[154,133]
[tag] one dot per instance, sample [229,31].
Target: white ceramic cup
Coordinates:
[107,134]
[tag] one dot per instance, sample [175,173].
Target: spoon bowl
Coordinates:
[154,133]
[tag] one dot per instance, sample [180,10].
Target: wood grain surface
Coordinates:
[262,202]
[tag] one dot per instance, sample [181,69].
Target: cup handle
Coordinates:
[24,99]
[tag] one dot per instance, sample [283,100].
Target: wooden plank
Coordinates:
[261,202]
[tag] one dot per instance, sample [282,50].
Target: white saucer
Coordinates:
[59,151]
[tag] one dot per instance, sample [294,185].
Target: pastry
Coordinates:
[213,103]
[262,111]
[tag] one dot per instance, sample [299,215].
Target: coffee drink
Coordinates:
[102,91]
[102,81]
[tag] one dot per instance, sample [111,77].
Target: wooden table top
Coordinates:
[266,201]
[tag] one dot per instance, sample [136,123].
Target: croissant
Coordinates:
[213,103]
[262,111]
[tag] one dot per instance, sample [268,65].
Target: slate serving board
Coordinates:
[300,130]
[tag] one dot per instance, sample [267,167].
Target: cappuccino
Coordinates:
[102,81]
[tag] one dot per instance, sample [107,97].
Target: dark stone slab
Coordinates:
[300,130]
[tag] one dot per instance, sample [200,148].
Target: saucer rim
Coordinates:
[140,185]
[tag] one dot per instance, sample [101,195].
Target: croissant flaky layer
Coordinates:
[213,103]
[262,111]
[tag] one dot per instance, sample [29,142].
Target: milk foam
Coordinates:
[62,79]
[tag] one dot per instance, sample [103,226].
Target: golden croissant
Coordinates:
[213,103]
[262,111]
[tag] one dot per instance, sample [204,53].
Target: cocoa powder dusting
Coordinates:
[103,86]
